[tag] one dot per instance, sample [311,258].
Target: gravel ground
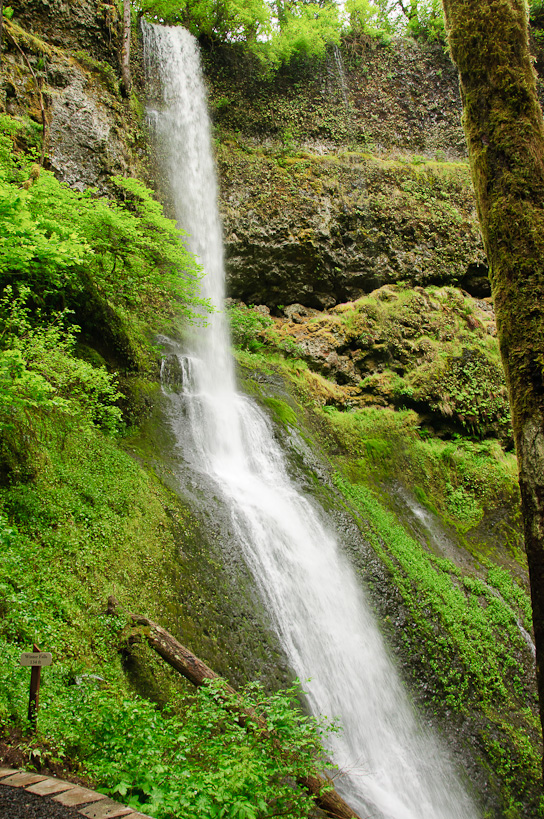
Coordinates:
[16,803]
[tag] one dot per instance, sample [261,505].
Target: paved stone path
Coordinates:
[78,801]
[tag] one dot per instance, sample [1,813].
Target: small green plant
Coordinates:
[247,326]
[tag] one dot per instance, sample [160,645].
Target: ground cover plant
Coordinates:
[471,636]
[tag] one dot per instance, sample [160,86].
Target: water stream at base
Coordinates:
[393,768]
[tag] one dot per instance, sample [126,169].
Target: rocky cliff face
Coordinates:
[401,97]
[336,178]
[61,60]
[73,25]
[345,176]
[324,229]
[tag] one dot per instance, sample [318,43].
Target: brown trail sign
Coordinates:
[35,660]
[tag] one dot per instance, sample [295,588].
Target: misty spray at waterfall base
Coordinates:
[392,767]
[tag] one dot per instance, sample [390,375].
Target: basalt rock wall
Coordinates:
[73,25]
[320,230]
[343,175]
[60,61]
[337,176]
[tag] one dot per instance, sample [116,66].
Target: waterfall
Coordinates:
[393,768]
[341,76]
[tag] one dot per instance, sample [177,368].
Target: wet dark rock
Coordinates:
[172,373]
[85,145]
[476,281]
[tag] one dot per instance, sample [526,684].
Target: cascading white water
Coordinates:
[393,768]
[341,76]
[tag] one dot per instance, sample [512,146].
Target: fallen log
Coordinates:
[197,672]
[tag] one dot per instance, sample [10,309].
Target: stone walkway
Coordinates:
[85,802]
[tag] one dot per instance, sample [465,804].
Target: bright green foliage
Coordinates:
[38,252]
[275,33]
[465,479]
[426,20]
[459,624]
[19,387]
[203,765]
[226,20]
[63,253]
[38,369]
[304,30]
[92,522]
[280,31]
[138,255]
[365,17]
[53,238]
[246,327]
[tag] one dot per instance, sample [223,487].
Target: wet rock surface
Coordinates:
[91,133]
[84,140]
[342,176]
[402,96]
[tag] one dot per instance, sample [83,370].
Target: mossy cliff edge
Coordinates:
[391,404]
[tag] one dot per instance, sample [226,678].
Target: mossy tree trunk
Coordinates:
[505,135]
[125,50]
[1,29]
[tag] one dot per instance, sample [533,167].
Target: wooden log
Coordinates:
[197,672]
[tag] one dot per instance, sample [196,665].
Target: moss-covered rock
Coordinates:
[431,349]
[323,229]
[83,24]
[91,134]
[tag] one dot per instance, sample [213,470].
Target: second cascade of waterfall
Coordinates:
[393,768]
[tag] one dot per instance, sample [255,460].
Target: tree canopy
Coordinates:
[278,31]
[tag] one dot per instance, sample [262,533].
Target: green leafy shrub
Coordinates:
[425,20]
[59,242]
[205,764]
[247,326]
[38,369]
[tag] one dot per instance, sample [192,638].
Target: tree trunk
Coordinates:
[505,135]
[125,51]
[197,672]
[1,30]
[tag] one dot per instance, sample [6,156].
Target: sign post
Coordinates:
[35,660]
